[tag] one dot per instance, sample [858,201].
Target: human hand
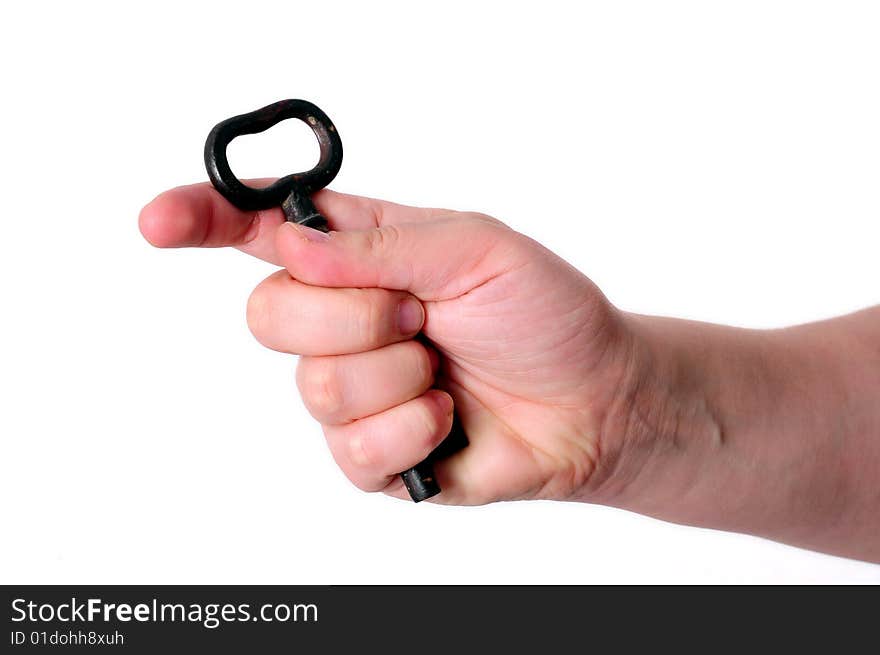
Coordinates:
[772,432]
[530,350]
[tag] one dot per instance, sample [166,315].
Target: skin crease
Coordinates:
[563,396]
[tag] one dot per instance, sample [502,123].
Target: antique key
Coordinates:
[293,193]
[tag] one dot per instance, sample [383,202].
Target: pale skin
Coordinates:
[563,396]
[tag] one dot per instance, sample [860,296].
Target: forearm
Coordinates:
[770,432]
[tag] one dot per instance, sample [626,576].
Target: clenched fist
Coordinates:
[562,395]
[531,354]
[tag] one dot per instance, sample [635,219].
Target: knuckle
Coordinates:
[364,464]
[485,219]
[366,319]
[382,241]
[362,451]
[320,387]
[341,448]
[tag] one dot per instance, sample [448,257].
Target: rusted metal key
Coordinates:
[293,193]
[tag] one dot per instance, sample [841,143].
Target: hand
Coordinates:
[529,349]
[563,396]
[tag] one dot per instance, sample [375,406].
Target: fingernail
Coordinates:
[444,401]
[309,234]
[410,316]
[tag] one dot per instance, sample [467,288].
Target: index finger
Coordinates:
[198,216]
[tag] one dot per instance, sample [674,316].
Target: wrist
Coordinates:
[663,425]
[756,431]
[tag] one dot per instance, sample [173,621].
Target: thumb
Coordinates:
[433,260]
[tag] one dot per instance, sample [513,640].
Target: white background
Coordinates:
[716,161]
